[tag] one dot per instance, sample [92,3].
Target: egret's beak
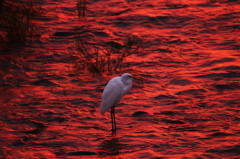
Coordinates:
[137,78]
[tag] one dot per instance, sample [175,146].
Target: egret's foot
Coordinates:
[114,131]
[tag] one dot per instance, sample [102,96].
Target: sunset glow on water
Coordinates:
[185,106]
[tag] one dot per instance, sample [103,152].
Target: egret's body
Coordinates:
[113,92]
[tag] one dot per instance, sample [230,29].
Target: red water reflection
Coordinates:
[187,105]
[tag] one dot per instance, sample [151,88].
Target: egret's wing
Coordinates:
[112,94]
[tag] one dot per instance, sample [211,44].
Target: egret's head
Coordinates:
[126,78]
[129,76]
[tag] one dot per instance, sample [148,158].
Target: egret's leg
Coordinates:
[113,120]
[111,112]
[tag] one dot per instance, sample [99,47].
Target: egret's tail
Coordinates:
[102,109]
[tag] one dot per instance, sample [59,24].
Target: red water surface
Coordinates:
[186,106]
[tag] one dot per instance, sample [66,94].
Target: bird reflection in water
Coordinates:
[111,147]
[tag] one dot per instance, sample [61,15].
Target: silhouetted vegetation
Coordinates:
[104,58]
[15,16]
[81,8]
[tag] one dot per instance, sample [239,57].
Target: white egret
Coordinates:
[112,94]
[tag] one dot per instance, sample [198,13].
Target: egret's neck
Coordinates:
[127,86]
[127,82]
